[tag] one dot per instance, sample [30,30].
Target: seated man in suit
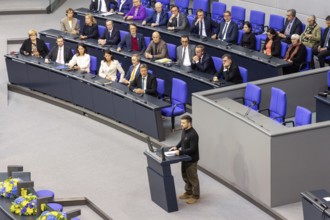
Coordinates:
[178,21]
[144,83]
[227,29]
[103,5]
[203,26]
[158,18]
[134,70]
[111,36]
[69,24]
[133,41]
[229,71]
[138,12]
[292,26]
[157,48]
[202,61]
[323,50]
[60,53]
[124,6]
[185,52]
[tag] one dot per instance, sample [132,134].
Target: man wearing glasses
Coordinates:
[292,26]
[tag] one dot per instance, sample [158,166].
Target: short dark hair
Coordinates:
[187,118]
[226,55]
[228,12]
[60,37]
[185,36]
[248,24]
[200,46]
[68,10]
[199,10]
[82,45]
[133,24]
[327,18]
[174,6]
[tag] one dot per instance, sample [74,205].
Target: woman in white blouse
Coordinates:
[109,68]
[81,60]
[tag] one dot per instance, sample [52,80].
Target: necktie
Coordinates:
[133,74]
[288,28]
[201,28]
[224,32]
[110,34]
[59,57]
[100,5]
[157,18]
[327,39]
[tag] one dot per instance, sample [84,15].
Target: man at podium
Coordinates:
[188,145]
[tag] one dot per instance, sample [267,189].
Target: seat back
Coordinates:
[93,64]
[252,94]
[329,80]
[123,34]
[101,30]
[179,93]
[240,36]
[276,22]
[218,8]
[257,20]
[303,116]
[160,87]
[259,39]
[190,20]
[149,11]
[303,27]
[146,3]
[244,74]
[217,63]
[238,15]
[200,4]
[165,3]
[147,40]
[277,106]
[171,48]
[284,48]
[48,45]
[182,5]
[309,57]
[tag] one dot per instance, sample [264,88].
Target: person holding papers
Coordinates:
[60,53]
[109,68]
[81,60]
[144,83]
[157,48]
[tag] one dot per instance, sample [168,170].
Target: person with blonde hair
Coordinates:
[90,29]
[33,46]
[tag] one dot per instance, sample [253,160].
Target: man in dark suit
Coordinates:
[144,83]
[133,41]
[158,18]
[292,25]
[229,71]
[178,21]
[124,6]
[111,36]
[103,5]
[60,53]
[203,26]
[134,70]
[157,48]
[202,61]
[227,30]
[323,50]
[185,52]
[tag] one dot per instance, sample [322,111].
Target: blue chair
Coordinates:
[146,3]
[257,20]
[171,48]
[160,88]
[150,72]
[178,99]
[302,117]
[259,38]
[276,22]
[182,5]
[93,64]
[284,48]
[303,27]
[48,45]
[55,206]
[306,66]
[238,15]
[190,20]
[244,74]
[200,4]
[101,30]
[45,193]
[252,96]
[240,36]
[328,80]
[123,34]
[217,63]
[149,11]
[277,106]
[165,3]
[218,8]
[147,40]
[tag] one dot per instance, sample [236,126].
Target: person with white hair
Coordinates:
[296,55]
[158,18]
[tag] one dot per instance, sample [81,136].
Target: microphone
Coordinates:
[269,59]
[249,108]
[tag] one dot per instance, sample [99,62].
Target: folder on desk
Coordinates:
[61,67]
[164,60]
[107,13]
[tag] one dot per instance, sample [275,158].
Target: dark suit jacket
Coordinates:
[129,72]
[162,19]
[90,31]
[232,32]
[296,28]
[183,23]
[249,41]
[206,65]
[209,25]
[95,4]
[127,41]
[191,51]
[323,38]
[114,39]
[231,75]
[53,54]
[41,47]
[161,49]
[300,56]
[151,84]
[276,47]
[126,6]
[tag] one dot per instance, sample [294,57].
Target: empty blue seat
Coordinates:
[217,63]
[238,15]
[101,30]
[252,96]
[93,64]
[328,80]
[309,57]
[218,8]
[182,5]
[257,20]
[171,48]
[244,74]
[276,22]
[190,20]
[303,116]
[160,88]
[149,11]
[45,193]
[200,4]
[123,34]
[147,40]
[55,206]
[240,36]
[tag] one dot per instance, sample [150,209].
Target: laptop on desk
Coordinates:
[159,152]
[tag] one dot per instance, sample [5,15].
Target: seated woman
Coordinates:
[69,24]
[81,60]
[34,46]
[109,68]
[90,29]
[312,35]
[272,45]
[248,39]
[296,55]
